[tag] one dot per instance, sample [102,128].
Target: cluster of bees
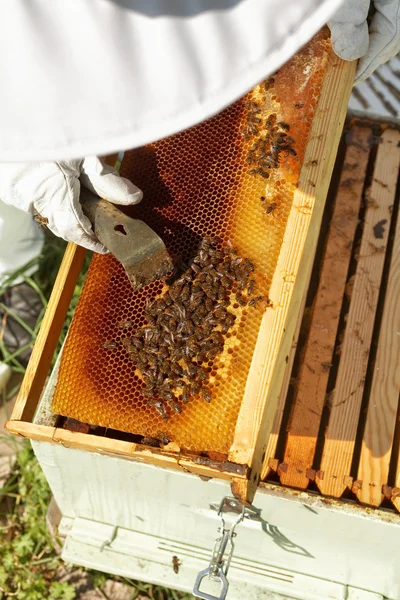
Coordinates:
[267,150]
[186,326]
[273,139]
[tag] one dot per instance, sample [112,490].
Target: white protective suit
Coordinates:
[89,77]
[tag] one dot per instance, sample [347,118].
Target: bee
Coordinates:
[271,207]
[260,171]
[211,320]
[212,353]
[148,392]
[220,313]
[230,319]
[185,394]
[242,283]
[162,352]
[269,83]
[205,394]
[216,255]
[213,240]
[216,338]
[149,333]
[225,282]
[201,374]
[109,345]
[176,563]
[282,138]
[299,105]
[250,130]
[159,406]
[255,300]
[240,300]
[167,300]
[256,146]
[180,310]
[175,290]
[41,221]
[275,150]
[163,439]
[270,122]
[236,261]
[165,394]
[176,369]
[283,125]
[251,115]
[175,406]
[187,277]
[125,324]
[209,304]
[221,295]
[152,319]
[195,388]
[249,264]
[149,441]
[250,287]
[196,319]
[185,294]
[202,257]
[152,360]
[191,369]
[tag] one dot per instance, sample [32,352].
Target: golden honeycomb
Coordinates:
[200,182]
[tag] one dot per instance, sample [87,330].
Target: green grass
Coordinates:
[29,565]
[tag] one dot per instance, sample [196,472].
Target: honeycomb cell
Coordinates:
[218,178]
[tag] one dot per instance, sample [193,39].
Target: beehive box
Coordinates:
[256,175]
[336,430]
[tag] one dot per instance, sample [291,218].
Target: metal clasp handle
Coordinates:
[203,595]
[223,550]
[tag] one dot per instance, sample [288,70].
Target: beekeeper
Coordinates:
[89,77]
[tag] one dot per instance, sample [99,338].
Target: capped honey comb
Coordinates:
[233,176]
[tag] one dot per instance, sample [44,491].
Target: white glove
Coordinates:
[52,190]
[351,39]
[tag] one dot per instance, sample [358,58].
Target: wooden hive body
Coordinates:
[338,428]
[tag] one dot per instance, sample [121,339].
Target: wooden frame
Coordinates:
[246,456]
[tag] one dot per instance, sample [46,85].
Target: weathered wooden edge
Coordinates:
[197,465]
[48,336]
[288,286]
[276,426]
[380,424]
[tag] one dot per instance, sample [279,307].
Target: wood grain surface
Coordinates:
[346,399]
[288,287]
[384,396]
[312,381]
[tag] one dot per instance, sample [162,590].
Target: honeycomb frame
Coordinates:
[286,177]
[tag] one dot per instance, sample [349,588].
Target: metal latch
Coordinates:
[224,547]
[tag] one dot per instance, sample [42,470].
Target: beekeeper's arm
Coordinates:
[51,191]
